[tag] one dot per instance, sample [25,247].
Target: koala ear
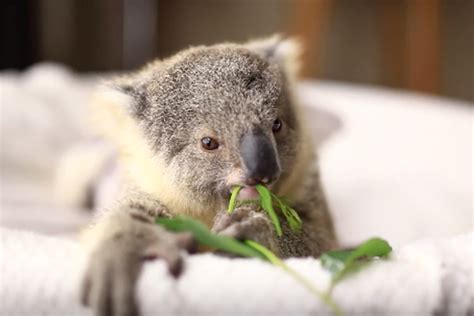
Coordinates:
[115,111]
[128,85]
[128,92]
[285,52]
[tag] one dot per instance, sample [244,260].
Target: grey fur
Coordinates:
[230,90]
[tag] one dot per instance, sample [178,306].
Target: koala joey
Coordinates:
[187,129]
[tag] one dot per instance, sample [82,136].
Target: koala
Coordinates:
[187,129]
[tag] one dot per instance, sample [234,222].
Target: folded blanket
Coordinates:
[41,276]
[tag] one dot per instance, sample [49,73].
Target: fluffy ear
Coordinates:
[110,107]
[132,85]
[118,104]
[285,52]
[127,92]
[135,84]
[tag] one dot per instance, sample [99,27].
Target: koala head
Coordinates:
[215,117]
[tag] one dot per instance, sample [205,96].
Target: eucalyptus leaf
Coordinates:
[374,247]
[342,263]
[267,205]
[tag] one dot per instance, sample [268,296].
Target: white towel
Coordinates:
[41,276]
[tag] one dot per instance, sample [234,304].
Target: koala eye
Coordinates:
[209,143]
[277,125]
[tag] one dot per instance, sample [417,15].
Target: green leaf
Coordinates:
[291,217]
[295,215]
[290,214]
[266,202]
[294,225]
[342,263]
[374,247]
[233,198]
[205,237]
[334,261]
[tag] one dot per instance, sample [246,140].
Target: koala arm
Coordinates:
[317,234]
[315,237]
[125,238]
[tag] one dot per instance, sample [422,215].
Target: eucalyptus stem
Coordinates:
[323,296]
[233,198]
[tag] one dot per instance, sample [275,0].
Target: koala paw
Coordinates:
[109,283]
[247,223]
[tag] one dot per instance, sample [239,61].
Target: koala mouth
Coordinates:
[248,193]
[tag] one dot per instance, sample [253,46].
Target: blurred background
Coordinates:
[421,45]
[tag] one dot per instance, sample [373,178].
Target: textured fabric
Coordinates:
[41,275]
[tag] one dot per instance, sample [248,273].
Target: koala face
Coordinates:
[220,116]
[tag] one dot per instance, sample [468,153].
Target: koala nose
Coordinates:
[260,158]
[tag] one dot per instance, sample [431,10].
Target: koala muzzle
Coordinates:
[260,159]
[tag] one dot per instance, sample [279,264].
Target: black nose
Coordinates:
[260,158]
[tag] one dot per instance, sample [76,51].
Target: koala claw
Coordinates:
[247,223]
[109,283]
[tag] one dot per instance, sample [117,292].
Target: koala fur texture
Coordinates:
[187,129]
